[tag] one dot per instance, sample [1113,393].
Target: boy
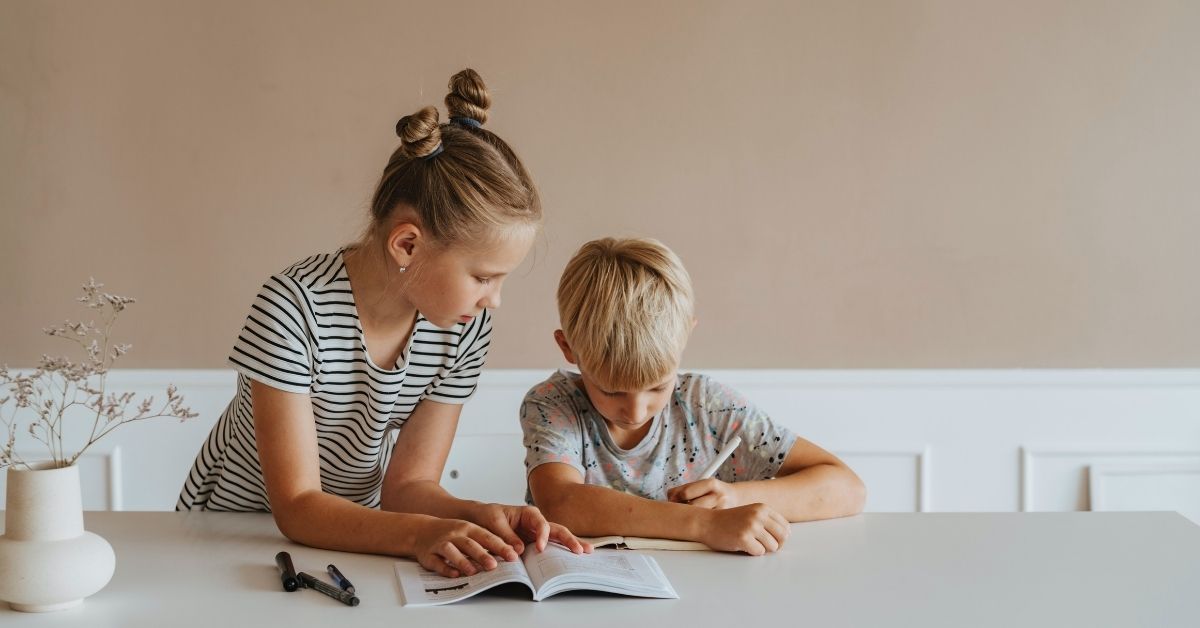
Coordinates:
[619,447]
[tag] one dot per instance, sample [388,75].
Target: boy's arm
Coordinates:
[559,491]
[811,484]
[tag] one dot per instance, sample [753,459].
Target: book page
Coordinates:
[643,543]
[421,587]
[604,541]
[616,571]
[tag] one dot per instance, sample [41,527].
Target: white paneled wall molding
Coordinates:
[1002,440]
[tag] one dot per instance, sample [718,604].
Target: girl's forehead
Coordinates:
[505,251]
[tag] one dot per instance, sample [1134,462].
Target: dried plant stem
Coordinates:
[49,393]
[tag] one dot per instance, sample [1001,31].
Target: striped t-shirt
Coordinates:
[303,336]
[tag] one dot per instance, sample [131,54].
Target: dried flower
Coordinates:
[59,384]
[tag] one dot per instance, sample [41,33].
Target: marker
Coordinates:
[341,580]
[722,456]
[287,573]
[345,597]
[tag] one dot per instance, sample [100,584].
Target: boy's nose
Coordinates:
[635,412]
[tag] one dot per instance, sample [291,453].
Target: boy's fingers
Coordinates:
[778,531]
[754,548]
[689,492]
[783,523]
[769,541]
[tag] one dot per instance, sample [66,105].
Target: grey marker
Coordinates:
[345,597]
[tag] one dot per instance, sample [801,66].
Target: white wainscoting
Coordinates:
[930,440]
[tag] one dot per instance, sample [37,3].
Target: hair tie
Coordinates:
[465,121]
[437,151]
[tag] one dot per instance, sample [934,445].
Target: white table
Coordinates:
[962,570]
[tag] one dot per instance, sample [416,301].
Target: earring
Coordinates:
[403,268]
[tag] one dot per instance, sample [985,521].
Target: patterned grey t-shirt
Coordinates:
[561,425]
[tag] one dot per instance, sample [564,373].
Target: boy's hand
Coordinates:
[518,524]
[755,529]
[711,493]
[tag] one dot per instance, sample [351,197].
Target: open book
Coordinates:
[643,543]
[546,573]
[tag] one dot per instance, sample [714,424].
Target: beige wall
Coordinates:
[852,184]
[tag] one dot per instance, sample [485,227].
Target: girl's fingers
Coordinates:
[564,537]
[455,559]
[534,522]
[437,564]
[494,544]
[510,536]
[709,501]
[476,553]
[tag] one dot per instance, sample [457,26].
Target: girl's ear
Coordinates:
[402,243]
[561,340]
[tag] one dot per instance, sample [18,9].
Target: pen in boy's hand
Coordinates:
[722,456]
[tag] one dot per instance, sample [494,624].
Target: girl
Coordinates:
[352,366]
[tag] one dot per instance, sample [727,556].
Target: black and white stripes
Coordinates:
[303,335]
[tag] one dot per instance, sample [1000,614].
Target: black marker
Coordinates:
[287,573]
[345,597]
[341,580]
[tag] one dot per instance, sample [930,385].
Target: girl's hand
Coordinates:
[711,493]
[453,548]
[755,529]
[518,524]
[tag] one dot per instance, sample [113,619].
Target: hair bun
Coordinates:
[468,97]
[419,133]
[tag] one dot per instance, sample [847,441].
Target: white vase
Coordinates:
[48,562]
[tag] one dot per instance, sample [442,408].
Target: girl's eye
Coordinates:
[484,280]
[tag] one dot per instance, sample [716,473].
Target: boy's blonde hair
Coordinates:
[626,309]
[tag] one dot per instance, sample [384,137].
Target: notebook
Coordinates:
[643,543]
[546,573]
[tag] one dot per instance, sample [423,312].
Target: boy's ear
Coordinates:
[561,340]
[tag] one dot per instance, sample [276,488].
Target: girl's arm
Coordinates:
[412,484]
[287,450]
[811,484]
[597,511]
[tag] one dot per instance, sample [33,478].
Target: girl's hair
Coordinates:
[463,181]
[626,309]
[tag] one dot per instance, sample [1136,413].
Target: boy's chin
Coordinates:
[626,427]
